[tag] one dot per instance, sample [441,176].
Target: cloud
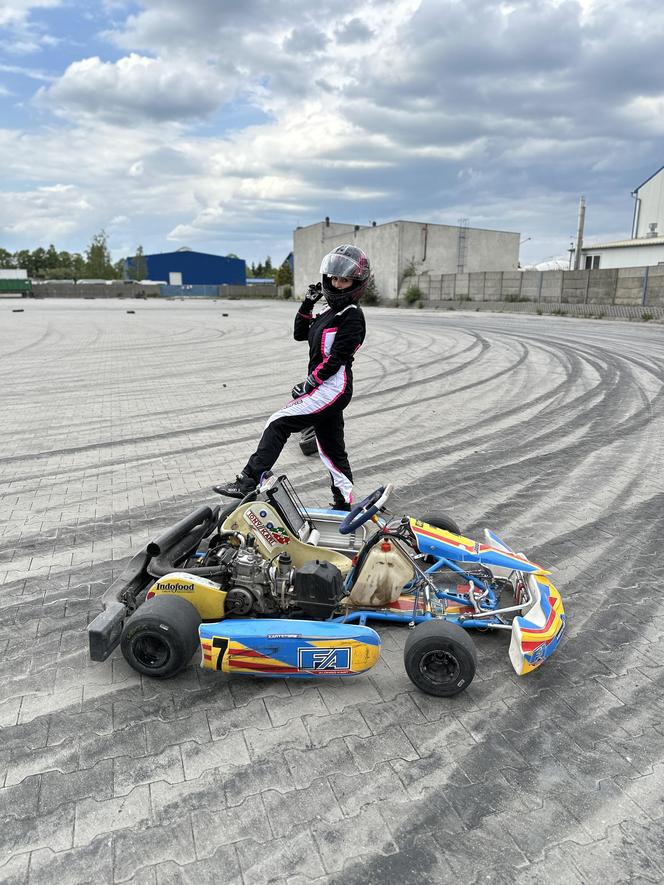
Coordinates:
[16,12]
[135,90]
[502,111]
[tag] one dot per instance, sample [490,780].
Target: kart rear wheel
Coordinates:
[440,658]
[308,445]
[442,521]
[161,636]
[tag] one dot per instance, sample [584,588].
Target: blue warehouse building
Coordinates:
[184,267]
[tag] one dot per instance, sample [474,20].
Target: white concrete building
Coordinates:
[649,207]
[645,247]
[397,246]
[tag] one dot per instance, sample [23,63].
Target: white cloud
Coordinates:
[135,90]
[15,12]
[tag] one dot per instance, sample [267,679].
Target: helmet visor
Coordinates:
[337,265]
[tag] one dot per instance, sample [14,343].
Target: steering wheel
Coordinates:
[365,510]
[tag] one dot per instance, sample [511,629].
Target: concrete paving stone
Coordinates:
[135,850]
[366,833]
[129,771]
[426,737]
[228,752]
[540,777]
[492,753]
[431,773]
[433,708]
[605,807]
[474,802]
[133,710]
[245,821]
[355,792]
[20,686]
[9,711]
[401,709]
[32,735]
[215,696]
[614,859]
[129,742]
[342,693]
[389,744]
[264,742]
[645,792]
[97,816]
[203,872]
[556,868]
[37,705]
[497,848]
[588,767]
[647,837]
[422,861]
[58,788]
[64,726]
[162,734]
[251,715]
[15,871]
[77,865]
[20,800]
[323,729]
[171,801]
[281,710]
[26,762]
[285,858]
[254,778]
[295,811]
[247,688]
[308,765]
[531,828]
[54,830]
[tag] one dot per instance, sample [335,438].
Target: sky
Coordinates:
[221,125]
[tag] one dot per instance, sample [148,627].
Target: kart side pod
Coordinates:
[282,648]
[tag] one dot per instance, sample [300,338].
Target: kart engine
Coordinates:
[257,587]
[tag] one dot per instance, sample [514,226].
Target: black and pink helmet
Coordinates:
[345,261]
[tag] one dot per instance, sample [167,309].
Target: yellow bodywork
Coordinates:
[207,597]
[272,537]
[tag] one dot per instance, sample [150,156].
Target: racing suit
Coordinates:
[334,337]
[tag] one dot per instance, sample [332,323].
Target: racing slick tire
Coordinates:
[440,658]
[161,636]
[308,444]
[442,521]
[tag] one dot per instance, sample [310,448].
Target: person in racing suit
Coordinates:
[334,336]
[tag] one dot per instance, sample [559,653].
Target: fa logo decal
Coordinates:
[329,659]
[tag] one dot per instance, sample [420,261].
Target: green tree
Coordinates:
[284,275]
[39,265]
[138,267]
[268,270]
[98,259]
[6,259]
[52,259]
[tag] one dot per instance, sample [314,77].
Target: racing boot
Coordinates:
[240,487]
[339,504]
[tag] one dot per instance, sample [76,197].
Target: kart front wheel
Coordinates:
[161,636]
[440,658]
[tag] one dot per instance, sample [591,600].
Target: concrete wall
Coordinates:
[398,245]
[95,290]
[651,209]
[640,287]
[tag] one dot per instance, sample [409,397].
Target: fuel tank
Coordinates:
[273,647]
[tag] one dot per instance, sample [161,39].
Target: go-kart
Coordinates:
[268,587]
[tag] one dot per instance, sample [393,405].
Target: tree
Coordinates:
[284,275]
[98,259]
[138,266]
[268,270]
[6,259]
[52,259]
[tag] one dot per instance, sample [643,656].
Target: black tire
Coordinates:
[440,658]
[161,636]
[442,521]
[308,444]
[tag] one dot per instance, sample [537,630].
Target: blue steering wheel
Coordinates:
[365,510]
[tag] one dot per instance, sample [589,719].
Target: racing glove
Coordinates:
[315,292]
[305,386]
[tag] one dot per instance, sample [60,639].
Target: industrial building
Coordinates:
[184,267]
[400,249]
[645,247]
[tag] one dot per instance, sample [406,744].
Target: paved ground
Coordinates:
[116,417]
